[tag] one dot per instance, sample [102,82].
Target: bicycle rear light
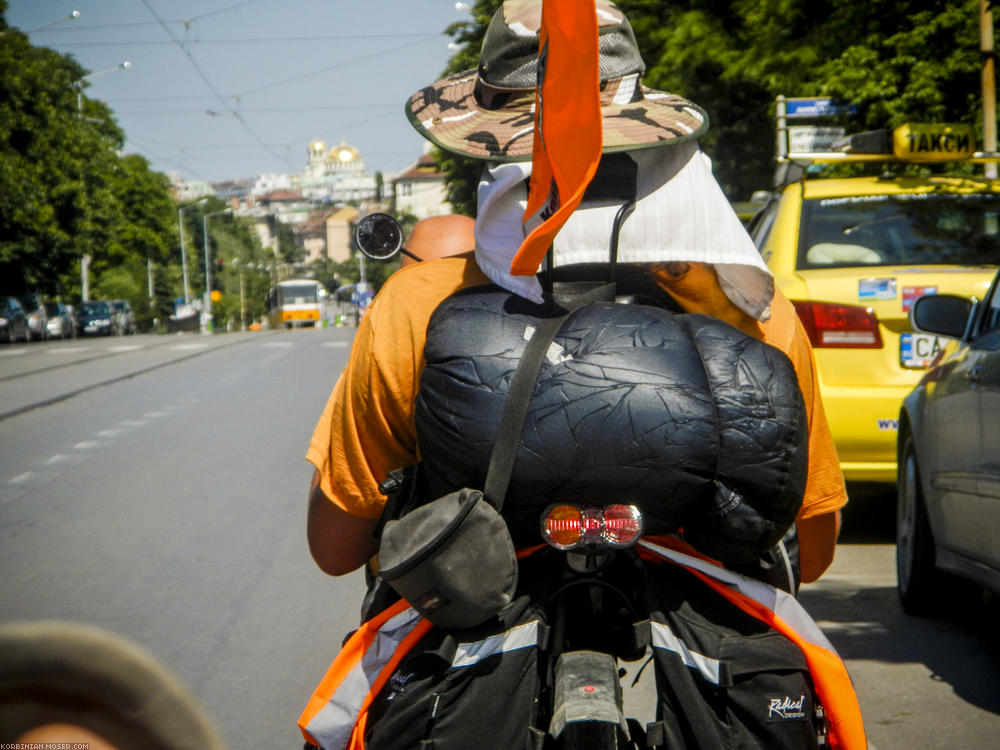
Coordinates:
[566,526]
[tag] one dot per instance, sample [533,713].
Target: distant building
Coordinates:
[336,175]
[185,191]
[321,203]
[419,189]
[327,234]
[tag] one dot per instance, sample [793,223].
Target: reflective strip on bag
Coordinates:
[784,613]
[335,717]
[357,673]
[518,637]
[664,638]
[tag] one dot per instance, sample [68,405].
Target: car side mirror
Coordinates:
[942,314]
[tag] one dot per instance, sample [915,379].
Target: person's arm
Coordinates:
[817,543]
[339,542]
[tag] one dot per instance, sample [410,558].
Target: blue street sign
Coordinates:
[817,107]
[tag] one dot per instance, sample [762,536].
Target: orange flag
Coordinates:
[567,137]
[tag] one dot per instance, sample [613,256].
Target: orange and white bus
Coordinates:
[295,302]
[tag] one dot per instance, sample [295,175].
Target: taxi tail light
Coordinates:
[831,325]
[566,526]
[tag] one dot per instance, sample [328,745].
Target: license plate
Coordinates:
[918,350]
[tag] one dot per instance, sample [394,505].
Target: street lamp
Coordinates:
[71,17]
[208,269]
[184,262]
[124,65]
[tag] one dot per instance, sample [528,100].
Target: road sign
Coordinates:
[822,106]
[804,139]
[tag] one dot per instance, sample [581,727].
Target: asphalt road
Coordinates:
[169,507]
[156,486]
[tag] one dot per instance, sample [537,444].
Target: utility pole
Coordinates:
[986,46]
[184,259]
[207,328]
[85,278]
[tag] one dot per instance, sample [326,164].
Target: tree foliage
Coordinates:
[65,192]
[893,60]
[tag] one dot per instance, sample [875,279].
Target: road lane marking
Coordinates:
[69,350]
[336,344]
[125,348]
[56,459]
[187,347]
[156,414]
[112,432]
[277,343]
[133,422]
[13,352]
[86,445]
[22,478]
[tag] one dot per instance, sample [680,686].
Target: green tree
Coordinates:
[65,192]
[893,60]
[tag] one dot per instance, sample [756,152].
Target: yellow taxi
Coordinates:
[854,253]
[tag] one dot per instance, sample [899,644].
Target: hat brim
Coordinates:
[448,114]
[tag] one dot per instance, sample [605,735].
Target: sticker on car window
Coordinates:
[911,293]
[877,289]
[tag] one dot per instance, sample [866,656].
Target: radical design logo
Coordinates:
[786,708]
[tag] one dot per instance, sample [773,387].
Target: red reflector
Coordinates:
[831,325]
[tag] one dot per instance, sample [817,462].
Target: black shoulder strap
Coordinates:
[521,387]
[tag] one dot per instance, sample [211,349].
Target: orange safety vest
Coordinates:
[336,714]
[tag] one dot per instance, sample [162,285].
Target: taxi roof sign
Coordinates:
[934,141]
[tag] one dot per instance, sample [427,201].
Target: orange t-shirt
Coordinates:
[367,428]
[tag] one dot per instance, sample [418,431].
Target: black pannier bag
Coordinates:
[475,688]
[725,680]
[698,424]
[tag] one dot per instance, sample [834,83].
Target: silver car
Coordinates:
[62,321]
[948,508]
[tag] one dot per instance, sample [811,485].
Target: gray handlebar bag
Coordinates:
[452,559]
[698,424]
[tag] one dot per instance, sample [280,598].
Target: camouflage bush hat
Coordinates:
[488,113]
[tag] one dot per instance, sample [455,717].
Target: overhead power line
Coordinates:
[253,40]
[235,113]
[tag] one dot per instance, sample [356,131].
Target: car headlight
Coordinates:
[4,321]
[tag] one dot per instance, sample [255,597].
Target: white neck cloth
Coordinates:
[681,215]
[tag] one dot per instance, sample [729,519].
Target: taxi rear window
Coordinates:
[889,230]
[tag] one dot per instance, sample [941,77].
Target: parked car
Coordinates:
[124,315]
[62,321]
[853,254]
[13,321]
[38,319]
[96,319]
[948,508]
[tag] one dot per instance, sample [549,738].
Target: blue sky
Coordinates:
[275,74]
